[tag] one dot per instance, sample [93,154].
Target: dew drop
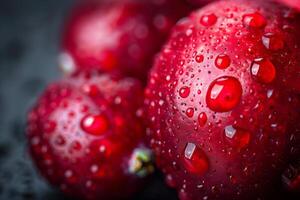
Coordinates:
[170,181]
[272,41]
[208,19]
[69,176]
[263,70]
[60,140]
[184,92]
[224,94]
[199,58]
[189,112]
[75,146]
[254,20]
[238,138]
[202,119]
[94,124]
[195,159]
[49,126]
[222,61]
[91,90]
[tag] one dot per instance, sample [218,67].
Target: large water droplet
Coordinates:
[189,112]
[224,94]
[222,61]
[202,119]
[199,58]
[272,41]
[95,124]
[238,138]
[195,159]
[254,20]
[263,70]
[184,92]
[208,19]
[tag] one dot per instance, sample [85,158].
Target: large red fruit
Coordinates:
[86,136]
[223,99]
[119,35]
[292,3]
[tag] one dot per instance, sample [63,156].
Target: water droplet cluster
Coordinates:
[229,100]
[89,128]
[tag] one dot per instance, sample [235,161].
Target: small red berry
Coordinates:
[77,143]
[118,36]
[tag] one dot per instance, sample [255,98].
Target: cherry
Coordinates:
[120,36]
[223,102]
[86,136]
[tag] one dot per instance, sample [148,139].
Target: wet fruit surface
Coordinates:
[118,36]
[292,3]
[90,144]
[223,101]
[224,94]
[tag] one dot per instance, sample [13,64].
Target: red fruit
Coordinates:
[291,3]
[223,101]
[86,136]
[118,36]
[199,3]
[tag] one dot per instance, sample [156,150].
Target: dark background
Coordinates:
[29,44]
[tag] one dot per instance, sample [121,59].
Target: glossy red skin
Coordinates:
[250,172]
[87,172]
[119,36]
[292,3]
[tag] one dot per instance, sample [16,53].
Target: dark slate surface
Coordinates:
[29,43]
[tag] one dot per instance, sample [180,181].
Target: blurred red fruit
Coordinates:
[86,135]
[118,36]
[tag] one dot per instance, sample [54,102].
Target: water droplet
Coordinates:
[195,159]
[183,195]
[75,146]
[208,19]
[94,124]
[91,90]
[94,168]
[161,102]
[189,32]
[270,93]
[202,119]
[68,173]
[272,41]
[239,138]
[49,126]
[60,140]
[254,20]
[189,112]
[263,70]
[199,58]
[222,61]
[184,92]
[170,181]
[224,94]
